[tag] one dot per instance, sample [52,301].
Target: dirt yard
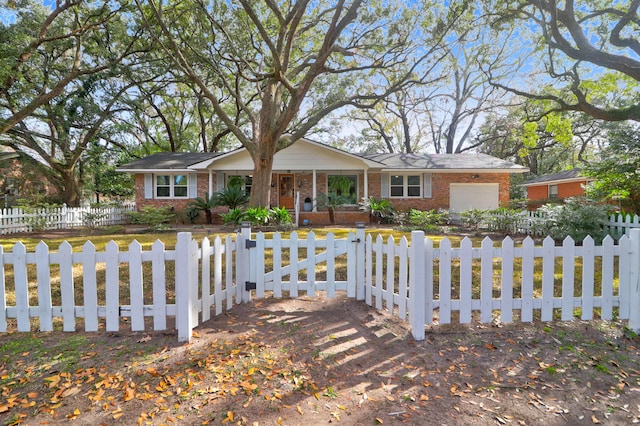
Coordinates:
[320,361]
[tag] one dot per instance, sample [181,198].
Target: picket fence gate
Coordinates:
[414,280]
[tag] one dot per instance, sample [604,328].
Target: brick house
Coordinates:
[555,187]
[306,169]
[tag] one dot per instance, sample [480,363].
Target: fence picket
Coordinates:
[444,285]
[43,274]
[548,277]
[3,294]
[277,265]
[352,267]
[607,278]
[466,277]
[259,265]
[293,262]
[217,276]
[506,290]
[331,267]
[403,276]
[588,266]
[159,286]
[136,290]
[21,286]
[568,277]
[368,286]
[377,290]
[207,297]
[89,287]
[112,284]
[526,310]
[486,281]
[229,249]
[390,281]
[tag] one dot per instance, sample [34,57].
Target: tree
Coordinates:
[617,168]
[287,65]
[41,39]
[590,52]
[56,133]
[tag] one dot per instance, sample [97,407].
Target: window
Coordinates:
[405,186]
[553,191]
[344,186]
[243,182]
[172,186]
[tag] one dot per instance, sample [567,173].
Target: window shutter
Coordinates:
[193,185]
[219,181]
[427,186]
[148,185]
[384,185]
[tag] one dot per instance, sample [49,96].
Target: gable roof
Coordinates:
[176,161]
[572,175]
[446,162]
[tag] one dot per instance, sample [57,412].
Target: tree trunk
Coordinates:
[332,218]
[71,193]
[262,167]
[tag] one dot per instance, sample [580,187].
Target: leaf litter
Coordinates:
[318,360]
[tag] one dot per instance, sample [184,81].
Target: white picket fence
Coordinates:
[415,280]
[14,220]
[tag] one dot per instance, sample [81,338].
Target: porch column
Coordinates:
[315,189]
[366,184]
[210,182]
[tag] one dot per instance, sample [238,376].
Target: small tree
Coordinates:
[331,202]
[206,205]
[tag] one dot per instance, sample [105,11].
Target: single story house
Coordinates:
[306,169]
[556,186]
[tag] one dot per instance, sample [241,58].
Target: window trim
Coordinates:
[405,185]
[172,185]
[550,195]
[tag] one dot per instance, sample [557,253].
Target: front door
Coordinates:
[286,195]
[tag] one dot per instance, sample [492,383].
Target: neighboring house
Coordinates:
[18,181]
[454,182]
[557,186]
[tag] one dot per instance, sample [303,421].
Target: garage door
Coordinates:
[466,196]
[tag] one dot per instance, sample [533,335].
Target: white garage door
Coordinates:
[466,196]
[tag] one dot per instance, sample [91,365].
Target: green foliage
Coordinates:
[430,220]
[380,210]
[280,216]
[577,218]
[617,173]
[503,220]
[474,218]
[91,220]
[206,205]
[153,217]
[232,197]
[233,217]
[258,216]
[341,186]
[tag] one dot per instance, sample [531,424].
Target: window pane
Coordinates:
[413,191]
[180,180]
[396,191]
[163,180]
[162,191]
[180,191]
[413,180]
[344,186]
[397,180]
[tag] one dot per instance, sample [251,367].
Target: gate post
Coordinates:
[634,281]
[417,285]
[243,263]
[186,285]
[360,260]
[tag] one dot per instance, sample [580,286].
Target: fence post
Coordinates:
[243,262]
[417,285]
[634,281]
[186,278]
[360,260]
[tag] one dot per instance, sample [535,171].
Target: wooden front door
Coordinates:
[286,195]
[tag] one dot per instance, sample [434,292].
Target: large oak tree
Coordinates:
[288,64]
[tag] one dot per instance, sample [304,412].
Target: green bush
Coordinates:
[280,216]
[430,220]
[258,216]
[380,210]
[233,217]
[474,218]
[153,217]
[577,218]
[232,197]
[503,220]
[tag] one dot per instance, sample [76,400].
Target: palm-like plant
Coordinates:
[331,202]
[232,197]
[205,205]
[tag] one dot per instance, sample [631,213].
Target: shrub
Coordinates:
[503,220]
[258,216]
[199,204]
[280,216]
[577,218]
[473,218]
[154,217]
[430,220]
[233,217]
[380,210]
[232,197]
